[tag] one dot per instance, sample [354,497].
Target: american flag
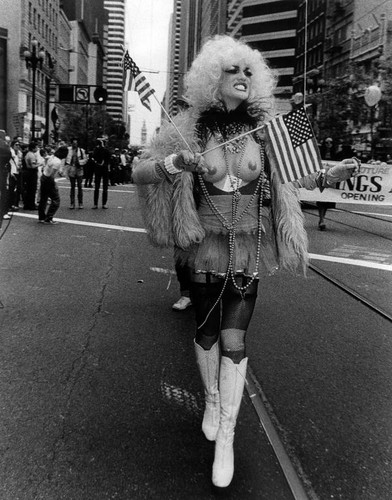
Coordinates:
[135,80]
[294,147]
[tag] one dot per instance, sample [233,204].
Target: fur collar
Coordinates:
[219,119]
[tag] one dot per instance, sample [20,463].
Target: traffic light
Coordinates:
[100,95]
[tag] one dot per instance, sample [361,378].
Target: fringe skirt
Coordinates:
[213,253]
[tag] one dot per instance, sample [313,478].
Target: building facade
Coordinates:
[192,23]
[173,72]
[116,103]
[27,26]
[67,36]
[269,26]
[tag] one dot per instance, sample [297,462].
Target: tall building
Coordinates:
[87,41]
[310,38]
[193,21]
[46,43]
[116,105]
[269,26]
[171,97]
[26,27]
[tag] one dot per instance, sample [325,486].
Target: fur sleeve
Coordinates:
[168,207]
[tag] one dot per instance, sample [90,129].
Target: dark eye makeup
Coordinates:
[233,70]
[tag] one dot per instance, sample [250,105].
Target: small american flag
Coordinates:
[294,146]
[135,80]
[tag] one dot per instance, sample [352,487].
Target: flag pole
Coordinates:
[234,139]
[172,122]
[305,48]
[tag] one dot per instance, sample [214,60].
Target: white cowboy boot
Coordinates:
[208,363]
[231,388]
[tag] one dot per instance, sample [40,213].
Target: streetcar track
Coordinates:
[355,227]
[352,293]
[362,214]
[290,466]
[368,303]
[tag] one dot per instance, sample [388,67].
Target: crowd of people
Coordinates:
[28,173]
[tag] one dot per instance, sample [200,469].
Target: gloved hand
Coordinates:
[190,162]
[342,171]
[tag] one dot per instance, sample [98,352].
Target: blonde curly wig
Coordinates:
[204,77]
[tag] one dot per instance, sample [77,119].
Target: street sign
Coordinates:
[82,94]
[66,93]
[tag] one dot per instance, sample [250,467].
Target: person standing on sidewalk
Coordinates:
[30,177]
[231,218]
[101,158]
[48,186]
[5,157]
[16,174]
[75,161]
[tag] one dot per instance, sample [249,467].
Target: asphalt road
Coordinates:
[100,396]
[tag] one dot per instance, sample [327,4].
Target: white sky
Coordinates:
[146,37]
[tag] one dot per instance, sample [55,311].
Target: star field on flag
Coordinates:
[293,145]
[135,80]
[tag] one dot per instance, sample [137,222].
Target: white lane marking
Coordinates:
[86,190]
[162,270]
[372,213]
[91,224]
[352,262]
[340,260]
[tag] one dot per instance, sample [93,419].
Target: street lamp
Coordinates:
[33,61]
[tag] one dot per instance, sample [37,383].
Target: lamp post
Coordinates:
[33,61]
[48,79]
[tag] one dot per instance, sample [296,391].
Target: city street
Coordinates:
[99,392]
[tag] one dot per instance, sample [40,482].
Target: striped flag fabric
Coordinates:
[135,80]
[293,145]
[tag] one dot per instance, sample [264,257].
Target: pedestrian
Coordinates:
[5,157]
[75,161]
[101,158]
[15,175]
[48,186]
[30,177]
[328,152]
[230,213]
[89,171]
[184,280]
[125,167]
[40,154]
[115,165]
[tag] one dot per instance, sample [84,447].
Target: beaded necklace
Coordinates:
[236,217]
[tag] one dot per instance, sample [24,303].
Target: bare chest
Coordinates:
[244,164]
